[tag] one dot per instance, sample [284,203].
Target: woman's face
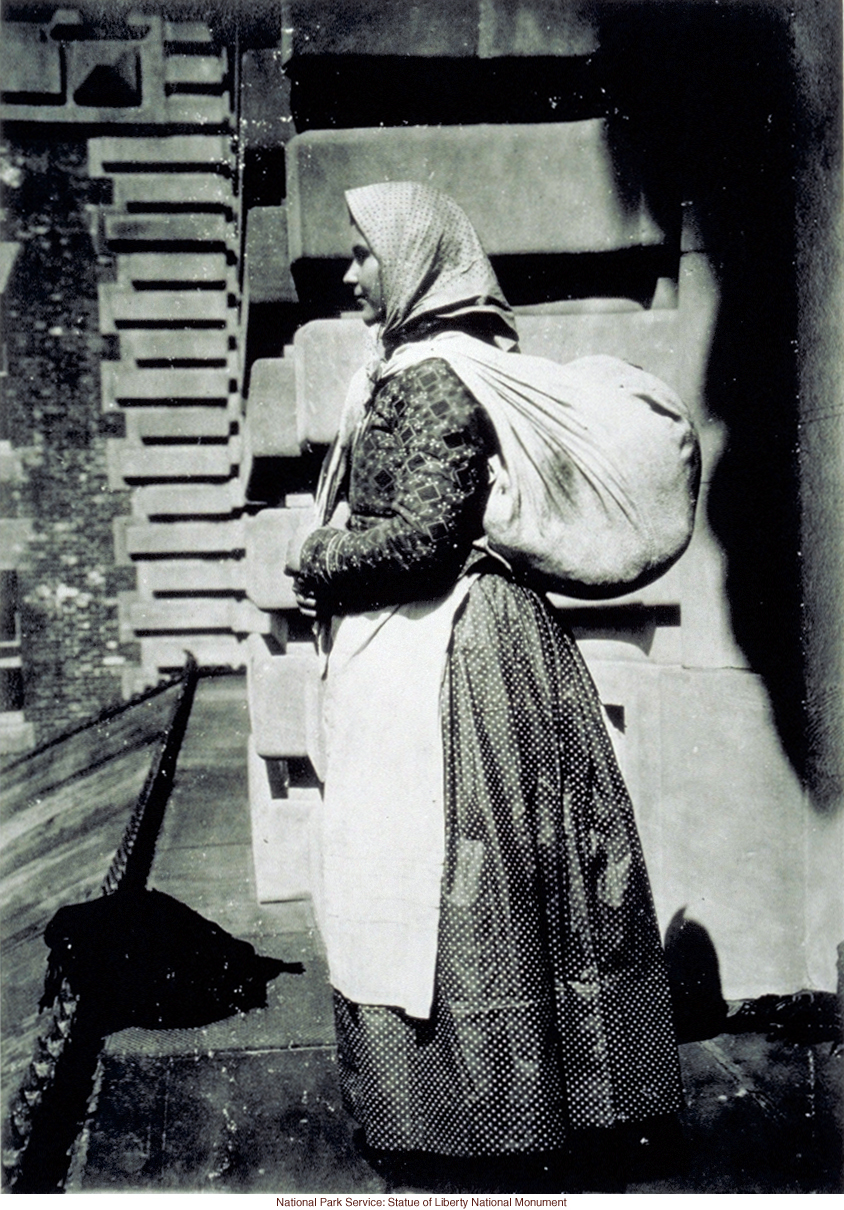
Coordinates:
[364,273]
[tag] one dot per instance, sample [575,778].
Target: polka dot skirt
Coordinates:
[552,1010]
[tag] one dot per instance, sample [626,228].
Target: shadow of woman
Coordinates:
[133,958]
[142,958]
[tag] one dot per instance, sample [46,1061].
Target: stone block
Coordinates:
[536,27]
[265,118]
[188,500]
[724,822]
[267,259]
[329,351]
[190,575]
[126,308]
[327,354]
[191,344]
[733,825]
[176,424]
[16,734]
[205,70]
[824,909]
[268,536]
[281,830]
[646,338]
[145,190]
[206,268]
[156,464]
[184,110]
[119,526]
[369,27]
[187,33]
[9,252]
[134,229]
[30,63]
[699,301]
[575,202]
[271,409]
[105,73]
[186,539]
[108,154]
[146,616]
[279,688]
[11,464]
[115,82]
[165,654]
[672,344]
[126,386]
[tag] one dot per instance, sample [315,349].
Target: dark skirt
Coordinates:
[552,1011]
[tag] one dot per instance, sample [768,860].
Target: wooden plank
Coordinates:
[59,820]
[36,775]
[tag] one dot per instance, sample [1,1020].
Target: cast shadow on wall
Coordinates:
[713,120]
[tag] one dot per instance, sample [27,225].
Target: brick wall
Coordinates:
[68,582]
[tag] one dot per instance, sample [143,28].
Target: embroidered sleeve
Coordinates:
[441,443]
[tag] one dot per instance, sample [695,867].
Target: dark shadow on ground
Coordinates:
[133,958]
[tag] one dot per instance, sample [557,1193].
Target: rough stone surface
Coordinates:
[279,687]
[576,201]
[267,257]
[268,535]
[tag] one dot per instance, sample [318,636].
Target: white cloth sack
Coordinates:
[596,487]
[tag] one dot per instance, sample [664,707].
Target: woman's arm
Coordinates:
[441,484]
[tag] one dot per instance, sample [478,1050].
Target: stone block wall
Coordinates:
[175,470]
[702,674]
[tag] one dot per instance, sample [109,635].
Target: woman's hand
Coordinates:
[307,604]
[293,564]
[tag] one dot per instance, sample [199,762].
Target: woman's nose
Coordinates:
[351,276]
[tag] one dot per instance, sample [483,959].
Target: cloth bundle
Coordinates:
[596,487]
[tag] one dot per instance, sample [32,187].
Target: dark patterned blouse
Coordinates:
[416,489]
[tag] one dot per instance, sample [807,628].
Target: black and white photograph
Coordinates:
[422,568]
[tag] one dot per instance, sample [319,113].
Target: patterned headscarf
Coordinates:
[432,263]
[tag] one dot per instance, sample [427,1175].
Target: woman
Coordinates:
[499,980]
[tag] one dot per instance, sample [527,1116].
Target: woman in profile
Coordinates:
[500,991]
